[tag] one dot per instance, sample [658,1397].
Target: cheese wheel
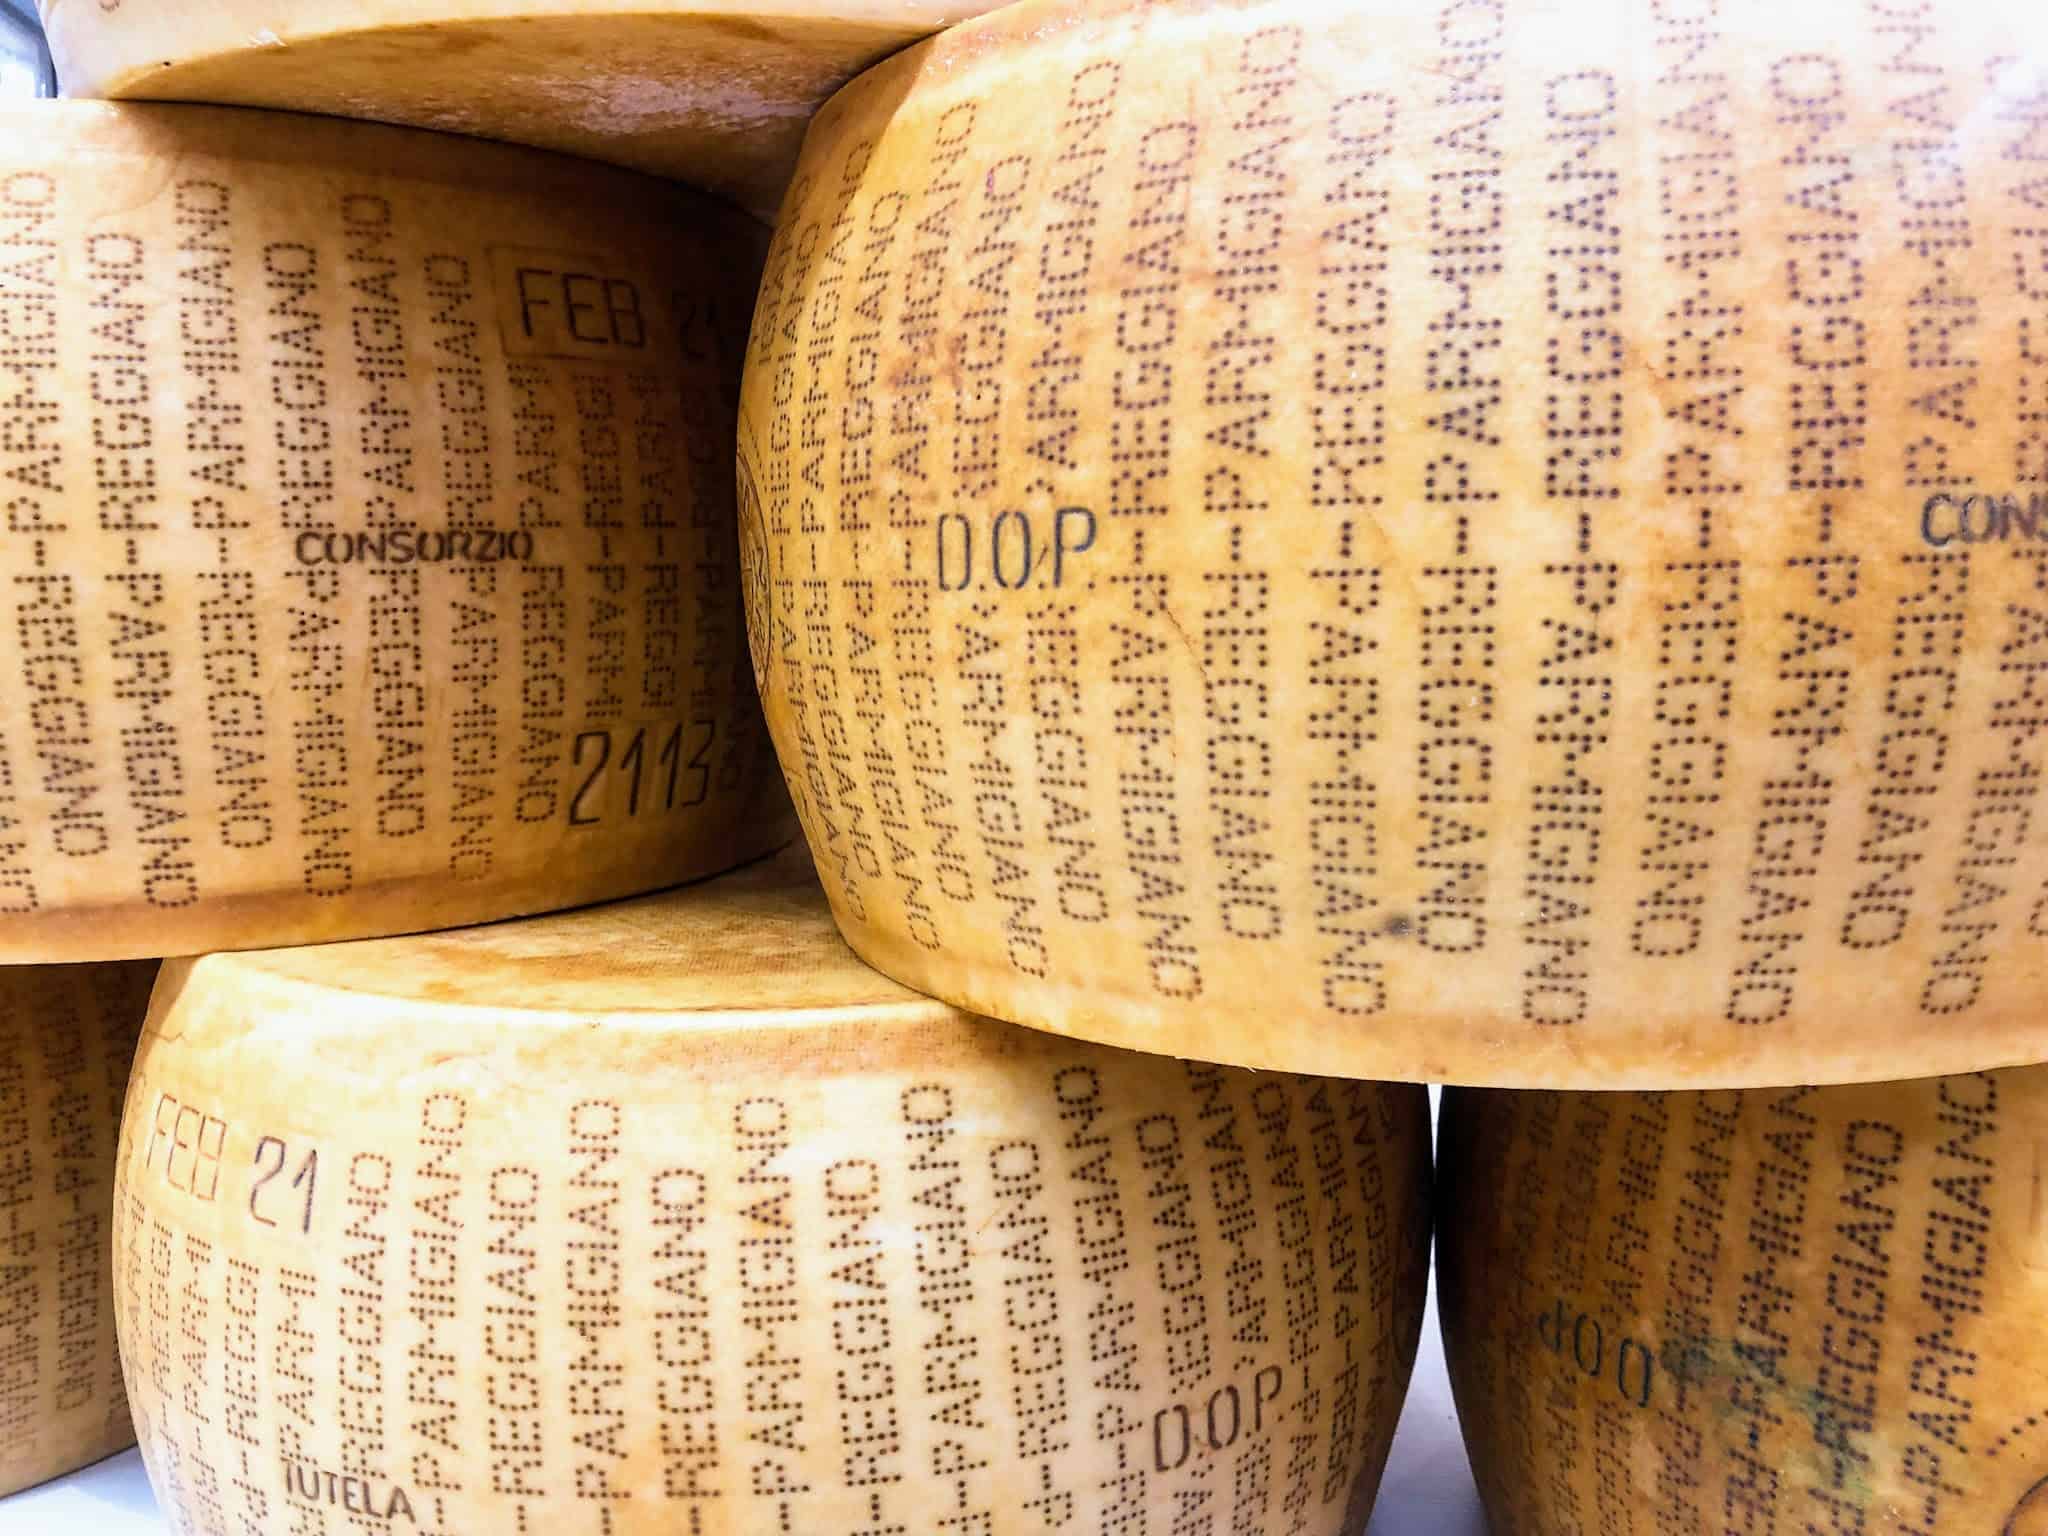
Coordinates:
[1465,542]
[672,1216]
[366,560]
[1800,1309]
[712,92]
[67,1034]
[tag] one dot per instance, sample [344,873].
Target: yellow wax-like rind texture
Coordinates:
[1801,1305]
[367,562]
[714,93]
[1446,542]
[67,1035]
[828,1253]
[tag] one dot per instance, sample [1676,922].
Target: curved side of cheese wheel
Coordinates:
[1425,541]
[1791,1309]
[67,1036]
[677,1206]
[367,562]
[714,94]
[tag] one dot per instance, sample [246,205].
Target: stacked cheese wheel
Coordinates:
[1805,1309]
[674,1213]
[1489,542]
[368,562]
[67,1034]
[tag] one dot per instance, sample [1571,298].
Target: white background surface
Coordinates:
[21,56]
[1427,1490]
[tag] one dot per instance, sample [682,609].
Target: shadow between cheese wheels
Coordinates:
[1800,1308]
[672,1215]
[367,561]
[1448,542]
[67,1036]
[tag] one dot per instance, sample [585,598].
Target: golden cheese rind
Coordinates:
[366,560]
[67,1036]
[714,93]
[1791,1309]
[1456,542]
[676,1206]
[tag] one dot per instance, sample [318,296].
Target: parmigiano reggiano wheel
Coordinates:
[672,1216]
[713,92]
[1466,542]
[365,533]
[1802,1309]
[67,1034]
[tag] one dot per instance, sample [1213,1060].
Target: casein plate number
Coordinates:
[667,772]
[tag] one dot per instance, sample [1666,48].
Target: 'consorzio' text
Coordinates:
[1979,517]
[409,546]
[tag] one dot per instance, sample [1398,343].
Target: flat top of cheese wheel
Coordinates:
[758,940]
[1454,541]
[712,92]
[48,132]
[368,561]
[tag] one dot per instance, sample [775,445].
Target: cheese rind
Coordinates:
[67,1036]
[676,1205]
[1453,542]
[714,93]
[1779,1309]
[366,560]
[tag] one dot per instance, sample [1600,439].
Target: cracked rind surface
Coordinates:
[67,1036]
[1799,1308]
[367,561]
[713,94]
[1458,543]
[678,1205]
